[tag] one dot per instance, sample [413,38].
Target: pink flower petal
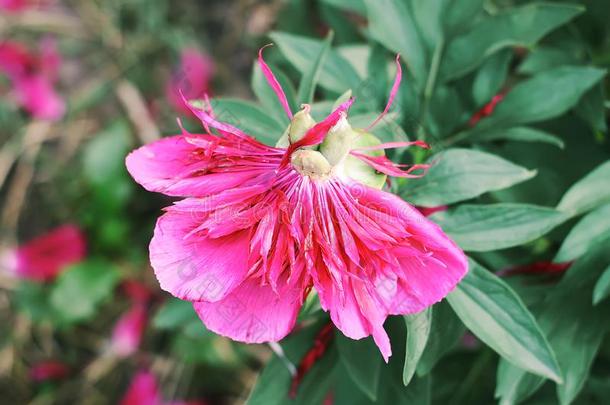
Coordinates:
[273,82]
[180,166]
[195,267]
[253,313]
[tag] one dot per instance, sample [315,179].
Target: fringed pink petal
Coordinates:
[392,145]
[253,313]
[393,92]
[273,82]
[192,266]
[385,165]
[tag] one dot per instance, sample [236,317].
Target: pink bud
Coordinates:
[128,331]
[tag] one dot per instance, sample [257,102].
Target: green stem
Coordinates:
[428,93]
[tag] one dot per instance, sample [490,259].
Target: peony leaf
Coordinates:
[310,78]
[590,229]
[337,74]
[482,228]
[363,363]
[588,193]
[504,30]
[81,289]
[461,174]
[418,332]
[536,100]
[497,316]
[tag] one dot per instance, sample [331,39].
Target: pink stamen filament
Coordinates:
[393,92]
[273,82]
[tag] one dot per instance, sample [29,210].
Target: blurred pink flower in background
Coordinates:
[13,5]
[49,370]
[128,331]
[144,390]
[192,77]
[46,256]
[33,77]
[136,291]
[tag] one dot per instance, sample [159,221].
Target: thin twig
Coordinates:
[138,114]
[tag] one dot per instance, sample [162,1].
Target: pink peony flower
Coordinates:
[49,370]
[128,331]
[33,77]
[261,226]
[44,257]
[192,78]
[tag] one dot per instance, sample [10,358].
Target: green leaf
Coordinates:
[591,108]
[520,26]
[544,58]
[445,333]
[536,99]
[392,24]
[575,328]
[461,174]
[482,228]
[602,288]
[81,289]
[174,313]
[523,134]
[267,96]
[589,230]
[459,15]
[309,80]
[357,6]
[418,332]
[497,316]
[337,74]
[513,385]
[104,155]
[363,362]
[249,118]
[588,193]
[33,300]
[490,77]
[387,130]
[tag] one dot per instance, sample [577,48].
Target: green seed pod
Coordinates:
[300,124]
[338,142]
[358,170]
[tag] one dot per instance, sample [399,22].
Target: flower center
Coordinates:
[311,163]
